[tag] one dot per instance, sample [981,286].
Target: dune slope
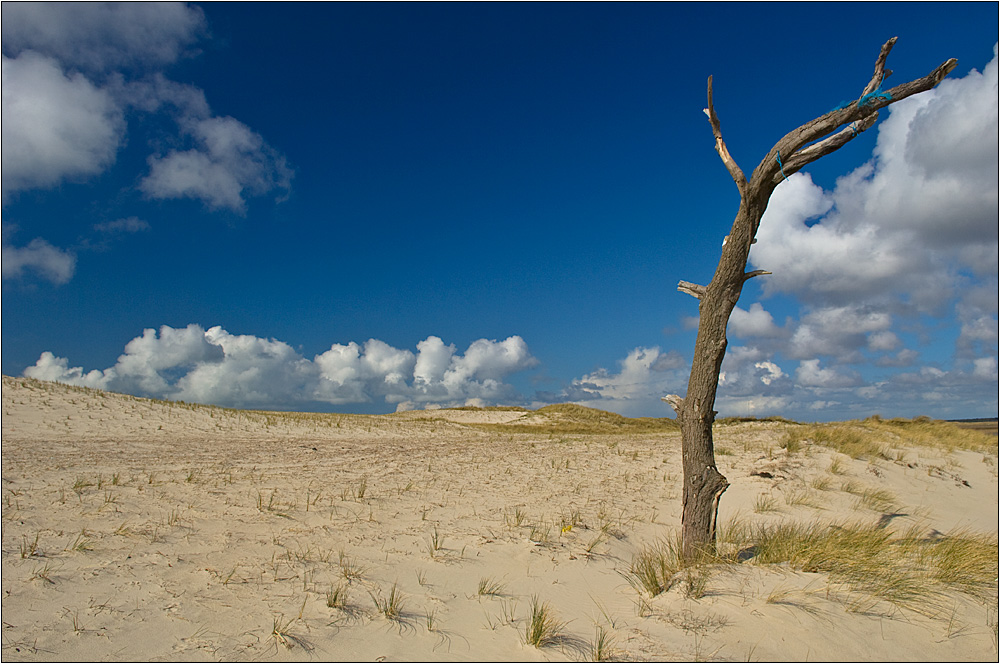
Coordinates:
[147,530]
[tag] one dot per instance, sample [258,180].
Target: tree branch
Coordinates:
[675,402]
[756,273]
[880,73]
[694,290]
[720,145]
[794,150]
[811,153]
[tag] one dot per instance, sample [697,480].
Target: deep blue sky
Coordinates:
[481,171]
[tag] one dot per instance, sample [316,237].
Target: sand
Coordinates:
[145,530]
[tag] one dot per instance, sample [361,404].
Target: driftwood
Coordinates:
[703,483]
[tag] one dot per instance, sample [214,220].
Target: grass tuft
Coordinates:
[543,629]
[336,597]
[911,570]
[655,567]
[392,606]
[601,650]
[490,587]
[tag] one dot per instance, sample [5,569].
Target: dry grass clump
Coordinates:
[727,421]
[655,568]
[571,418]
[872,438]
[911,570]
[926,432]
[602,647]
[490,587]
[542,628]
[390,606]
[856,442]
[659,567]
[965,560]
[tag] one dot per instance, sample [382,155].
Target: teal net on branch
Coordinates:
[877,93]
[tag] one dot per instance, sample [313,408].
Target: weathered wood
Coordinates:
[755,273]
[720,145]
[695,290]
[703,483]
[674,400]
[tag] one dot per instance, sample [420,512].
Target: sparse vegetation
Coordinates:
[655,567]
[542,628]
[533,509]
[336,597]
[602,647]
[390,606]
[910,570]
[490,587]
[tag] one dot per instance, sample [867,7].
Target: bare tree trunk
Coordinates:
[703,483]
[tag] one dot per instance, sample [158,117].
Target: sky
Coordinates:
[365,207]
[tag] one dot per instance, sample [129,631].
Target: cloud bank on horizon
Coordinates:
[214,366]
[898,245]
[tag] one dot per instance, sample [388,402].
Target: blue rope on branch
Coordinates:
[781,166]
[877,93]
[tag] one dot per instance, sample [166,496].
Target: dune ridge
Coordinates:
[137,529]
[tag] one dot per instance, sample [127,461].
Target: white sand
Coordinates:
[138,530]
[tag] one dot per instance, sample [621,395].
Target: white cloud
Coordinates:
[839,332]
[55,265]
[55,126]
[774,372]
[230,162]
[432,361]
[71,74]
[97,36]
[755,322]
[809,374]
[985,367]
[883,340]
[50,367]
[645,375]
[923,209]
[214,366]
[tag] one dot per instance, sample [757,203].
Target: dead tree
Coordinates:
[703,483]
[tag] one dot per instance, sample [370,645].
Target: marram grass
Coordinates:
[864,563]
[874,437]
[542,628]
[912,569]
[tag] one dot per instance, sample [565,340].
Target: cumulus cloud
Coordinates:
[839,332]
[229,163]
[55,126]
[909,236]
[97,36]
[755,322]
[810,374]
[214,366]
[644,376]
[905,223]
[51,263]
[72,74]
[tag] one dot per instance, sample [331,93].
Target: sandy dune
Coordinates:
[143,530]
